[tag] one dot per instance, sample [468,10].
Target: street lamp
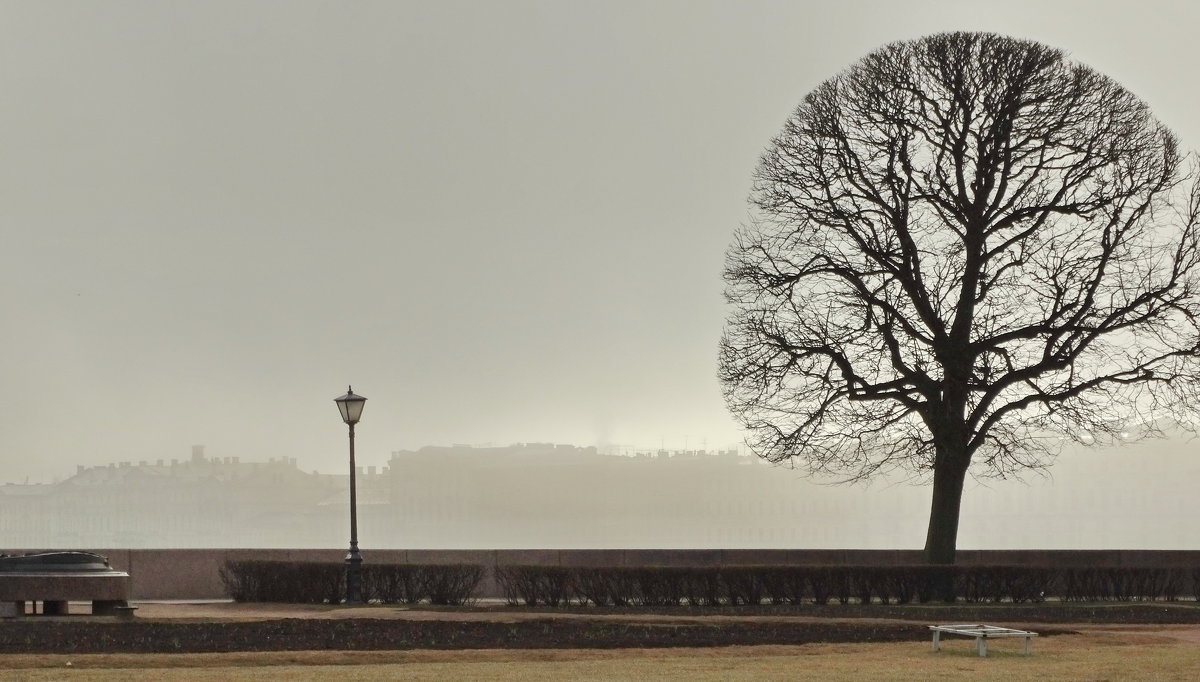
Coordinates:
[351,407]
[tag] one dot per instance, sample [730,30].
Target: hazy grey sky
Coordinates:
[501,221]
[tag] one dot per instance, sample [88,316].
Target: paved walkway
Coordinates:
[230,611]
[245,612]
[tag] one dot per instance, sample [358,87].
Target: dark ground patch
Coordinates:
[63,635]
[297,634]
[1151,613]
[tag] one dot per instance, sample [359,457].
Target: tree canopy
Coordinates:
[962,250]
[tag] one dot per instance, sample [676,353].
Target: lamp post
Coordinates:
[351,407]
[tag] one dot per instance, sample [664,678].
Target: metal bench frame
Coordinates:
[981,633]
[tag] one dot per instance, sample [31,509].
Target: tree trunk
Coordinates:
[941,542]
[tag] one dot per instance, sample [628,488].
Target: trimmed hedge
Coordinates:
[454,584]
[755,585]
[1127,584]
[310,582]
[295,582]
[1016,584]
[451,584]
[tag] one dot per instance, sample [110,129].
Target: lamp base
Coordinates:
[354,578]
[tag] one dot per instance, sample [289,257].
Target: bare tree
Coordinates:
[964,250]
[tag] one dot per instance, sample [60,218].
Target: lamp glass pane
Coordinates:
[352,409]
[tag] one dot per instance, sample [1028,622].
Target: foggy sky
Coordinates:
[501,221]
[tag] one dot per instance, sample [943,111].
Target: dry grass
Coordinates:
[1092,656]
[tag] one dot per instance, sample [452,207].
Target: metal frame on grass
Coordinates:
[981,633]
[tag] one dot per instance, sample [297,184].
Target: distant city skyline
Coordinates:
[338,468]
[562,496]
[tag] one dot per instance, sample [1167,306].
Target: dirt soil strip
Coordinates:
[360,634]
[1145,613]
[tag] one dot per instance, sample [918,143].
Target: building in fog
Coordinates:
[199,502]
[526,495]
[543,495]
[539,495]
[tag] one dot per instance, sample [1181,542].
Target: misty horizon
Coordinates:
[543,495]
[502,223]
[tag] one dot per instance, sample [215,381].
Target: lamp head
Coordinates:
[351,406]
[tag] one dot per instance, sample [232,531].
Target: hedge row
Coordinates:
[753,585]
[453,584]
[1127,584]
[310,582]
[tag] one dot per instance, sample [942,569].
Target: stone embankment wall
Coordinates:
[162,574]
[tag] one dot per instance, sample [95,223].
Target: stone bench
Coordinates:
[57,578]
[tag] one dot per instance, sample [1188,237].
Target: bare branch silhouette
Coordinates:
[958,246]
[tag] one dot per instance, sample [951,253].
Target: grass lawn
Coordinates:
[1144,655]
